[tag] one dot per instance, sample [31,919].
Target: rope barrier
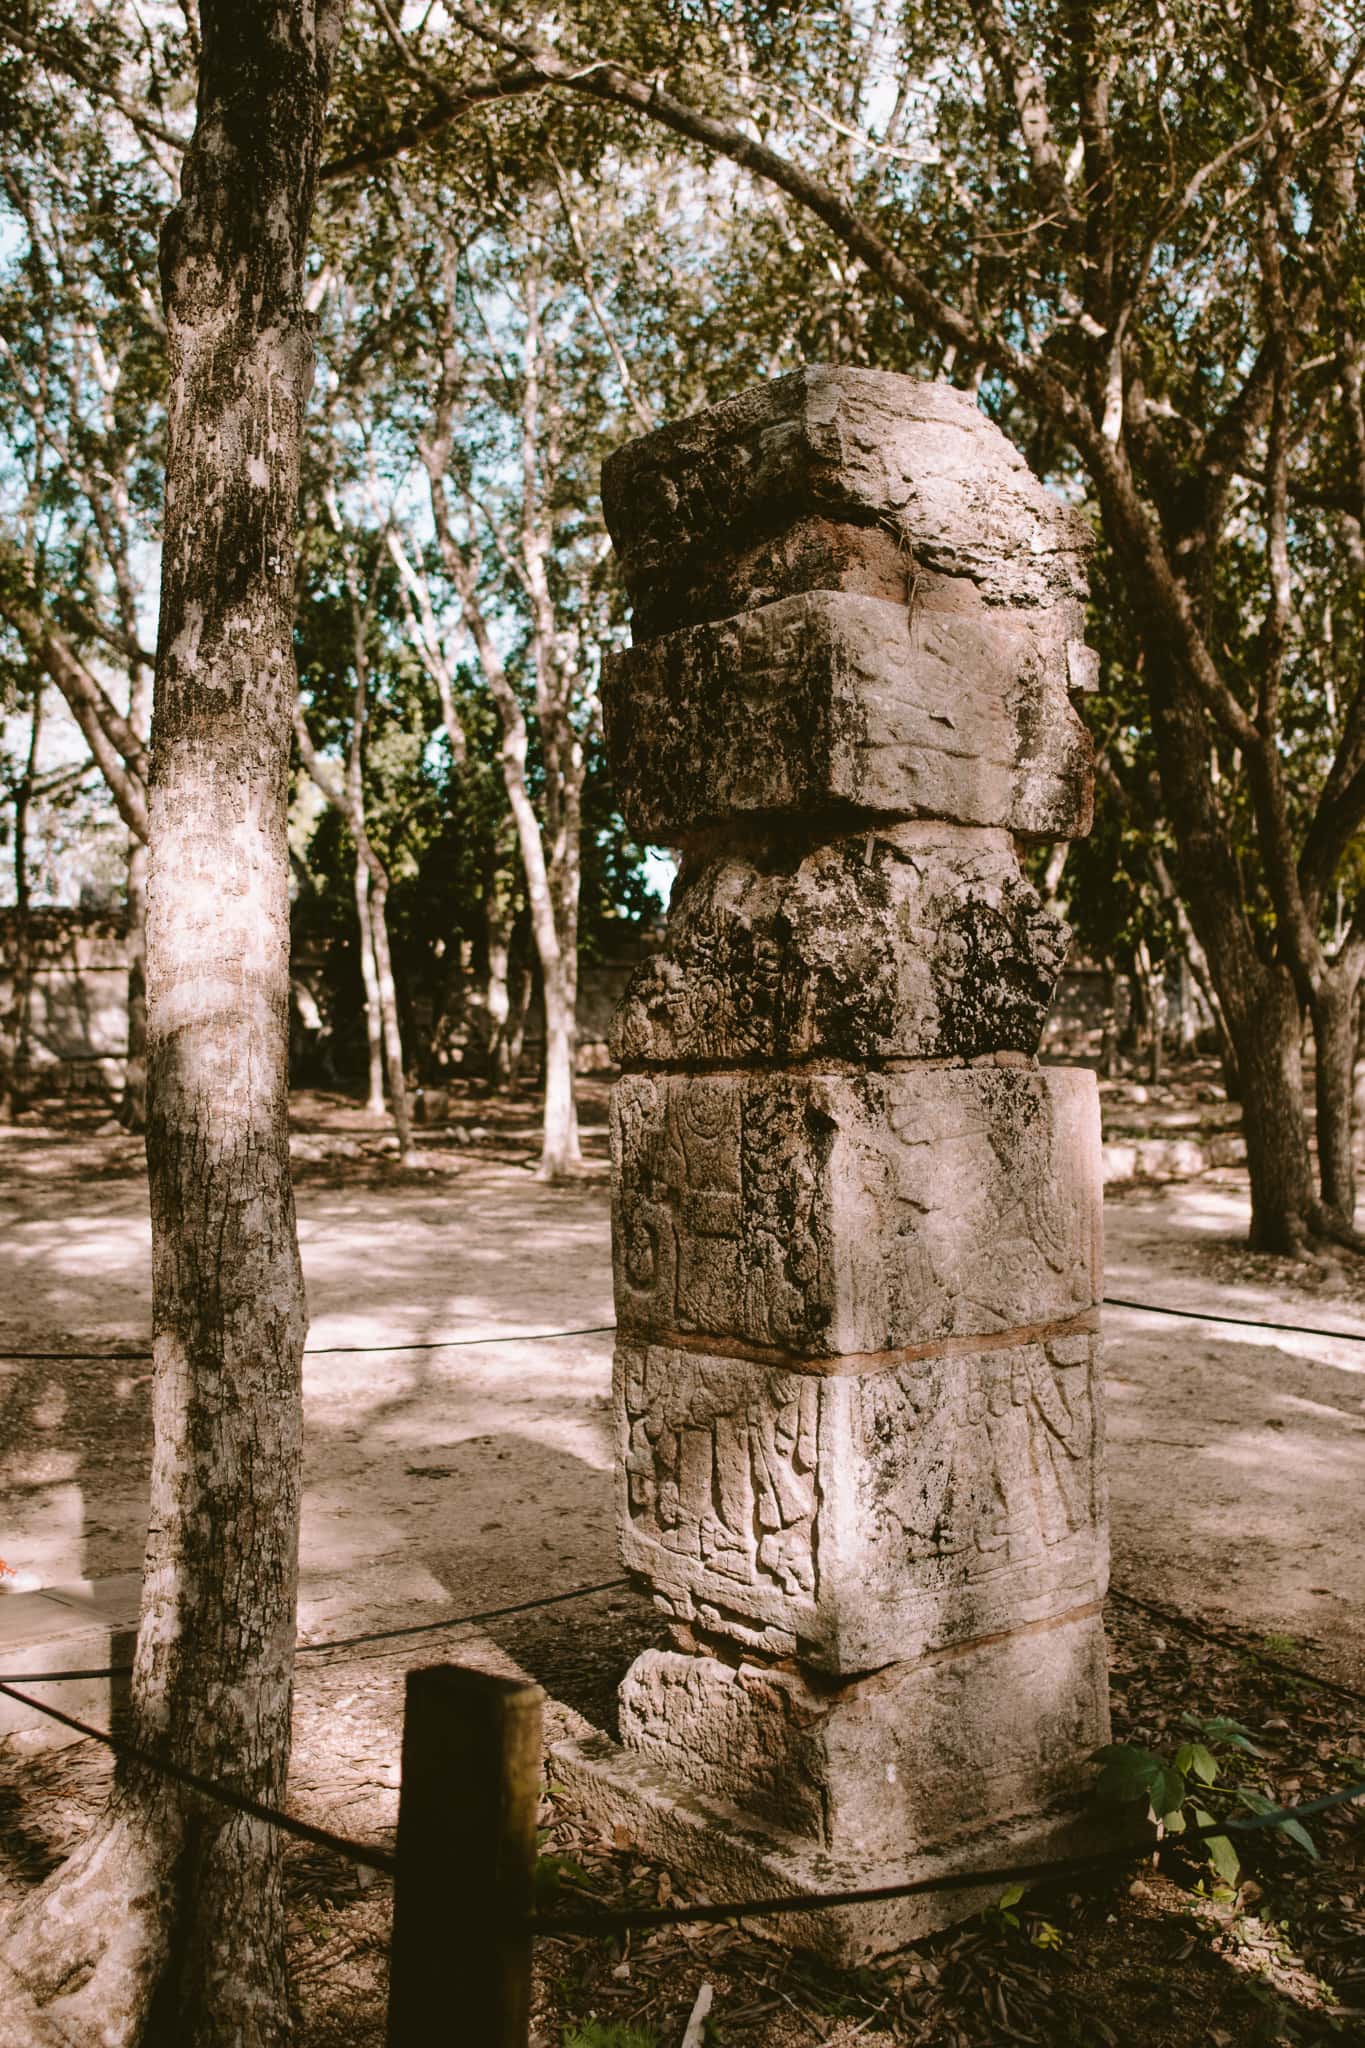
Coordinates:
[613,1920]
[1146,1308]
[1193,1315]
[1202,1631]
[240,1802]
[379,1635]
[1169,1617]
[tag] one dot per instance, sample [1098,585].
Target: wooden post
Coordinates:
[460,1965]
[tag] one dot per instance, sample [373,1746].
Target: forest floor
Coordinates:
[476,1475]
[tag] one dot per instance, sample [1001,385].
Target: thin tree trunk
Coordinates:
[497,998]
[388,1015]
[369,976]
[168,1924]
[22,1000]
[522,978]
[133,1107]
[560,1153]
[1334,1009]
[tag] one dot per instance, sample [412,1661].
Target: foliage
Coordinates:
[607,2034]
[1131,1775]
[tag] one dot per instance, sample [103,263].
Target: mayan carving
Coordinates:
[855,1225]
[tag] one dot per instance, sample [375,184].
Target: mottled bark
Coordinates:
[374,1034]
[1335,1012]
[168,1925]
[133,1106]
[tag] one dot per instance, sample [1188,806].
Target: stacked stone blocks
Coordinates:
[855,1227]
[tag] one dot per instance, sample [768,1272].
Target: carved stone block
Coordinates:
[827,702]
[910,942]
[917,460]
[864,1518]
[826,1214]
[908,1758]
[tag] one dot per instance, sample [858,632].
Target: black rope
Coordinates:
[240,1802]
[611,1921]
[608,1921]
[1226,1640]
[1147,1308]
[1169,1617]
[337,1350]
[379,1635]
[426,1628]
[1202,1315]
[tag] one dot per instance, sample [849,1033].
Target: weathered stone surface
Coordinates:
[856,1386]
[716,1848]
[822,1214]
[920,460]
[864,1518]
[828,702]
[910,942]
[902,1760]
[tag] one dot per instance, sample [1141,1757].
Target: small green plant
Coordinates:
[553,1873]
[1001,1914]
[607,2034]
[1130,1775]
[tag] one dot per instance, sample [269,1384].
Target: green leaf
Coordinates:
[1010,1896]
[1295,1829]
[1221,1728]
[1218,1849]
[1168,1794]
[1128,1773]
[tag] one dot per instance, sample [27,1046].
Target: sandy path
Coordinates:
[473,1476]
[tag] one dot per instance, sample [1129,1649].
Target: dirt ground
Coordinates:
[477,1474]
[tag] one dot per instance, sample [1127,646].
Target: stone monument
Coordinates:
[856,1228]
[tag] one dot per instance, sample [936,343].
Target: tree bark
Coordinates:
[168,1925]
[133,1107]
[1335,1010]
[1266,1030]
[374,1034]
[388,1013]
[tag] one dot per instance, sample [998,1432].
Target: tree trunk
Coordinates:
[133,1108]
[1334,1009]
[1109,1041]
[1259,1001]
[497,994]
[560,1153]
[167,1926]
[1266,1035]
[522,979]
[22,991]
[374,1035]
[388,1016]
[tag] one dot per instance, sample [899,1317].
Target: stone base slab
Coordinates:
[715,1852]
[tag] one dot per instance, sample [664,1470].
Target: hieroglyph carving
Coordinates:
[824,1214]
[865,1516]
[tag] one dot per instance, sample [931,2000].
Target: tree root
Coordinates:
[1332,1227]
[164,1930]
[89,1945]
